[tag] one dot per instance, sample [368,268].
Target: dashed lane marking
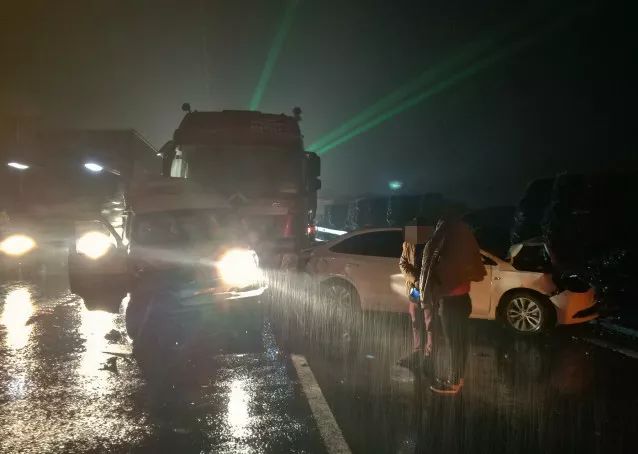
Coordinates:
[326,422]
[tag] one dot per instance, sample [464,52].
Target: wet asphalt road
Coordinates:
[69,383]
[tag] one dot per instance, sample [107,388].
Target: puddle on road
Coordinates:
[17,310]
[52,392]
[52,388]
[56,397]
[237,416]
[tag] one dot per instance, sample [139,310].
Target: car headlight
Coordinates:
[94,244]
[17,245]
[239,268]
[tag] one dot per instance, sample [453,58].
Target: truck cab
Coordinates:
[258,162]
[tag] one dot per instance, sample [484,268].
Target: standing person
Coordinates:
[416,235]
[451,261]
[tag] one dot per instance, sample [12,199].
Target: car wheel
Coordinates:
[344,309]
[527,312]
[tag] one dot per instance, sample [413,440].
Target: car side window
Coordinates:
[386,244]
[353,245]
[376,244]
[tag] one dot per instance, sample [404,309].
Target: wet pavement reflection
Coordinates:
[546,393]
[71,381]
[552,394]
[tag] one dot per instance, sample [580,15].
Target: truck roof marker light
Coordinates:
[273,54]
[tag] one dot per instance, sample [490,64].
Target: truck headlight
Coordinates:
[94,244]
[17,245]
[239,268]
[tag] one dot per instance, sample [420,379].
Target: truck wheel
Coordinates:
[527,313]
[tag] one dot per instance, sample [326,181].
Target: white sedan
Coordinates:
[362,268]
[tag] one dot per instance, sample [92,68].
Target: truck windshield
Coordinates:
[248,170]
[178,227]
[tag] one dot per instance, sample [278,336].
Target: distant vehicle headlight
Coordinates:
[17,245]
[239,268]
[94,244]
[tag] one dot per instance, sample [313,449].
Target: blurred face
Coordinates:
[417,234]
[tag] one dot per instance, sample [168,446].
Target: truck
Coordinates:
[50,177]
[258,162]
[187,269]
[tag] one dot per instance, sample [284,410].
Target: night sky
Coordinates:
[558,103]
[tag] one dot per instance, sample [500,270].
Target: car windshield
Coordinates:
[179,227]
[532,257]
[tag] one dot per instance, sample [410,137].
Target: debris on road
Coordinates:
[111,365]
[114,336]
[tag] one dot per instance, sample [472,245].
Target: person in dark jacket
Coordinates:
[416,235]
[451,262]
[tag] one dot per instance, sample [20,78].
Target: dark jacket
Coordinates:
[459,261]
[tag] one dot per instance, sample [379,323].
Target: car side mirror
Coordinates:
[313,165]
[313,185]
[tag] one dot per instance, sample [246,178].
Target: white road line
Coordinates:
[328,427]
[604,344]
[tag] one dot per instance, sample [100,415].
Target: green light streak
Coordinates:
[430,75]
[439,87]
[273,54]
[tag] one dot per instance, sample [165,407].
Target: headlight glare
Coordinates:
[239,268]
[17,245]
[94,244]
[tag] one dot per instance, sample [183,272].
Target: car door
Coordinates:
[481,292]
[386,247]
[360,258]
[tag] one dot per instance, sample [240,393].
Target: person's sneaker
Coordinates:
[445,388]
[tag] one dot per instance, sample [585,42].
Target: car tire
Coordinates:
[343,307]
[136,318]
[527,313]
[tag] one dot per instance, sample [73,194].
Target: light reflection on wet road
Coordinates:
[68,383]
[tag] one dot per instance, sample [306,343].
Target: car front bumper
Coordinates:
[573,307]
[218,297]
